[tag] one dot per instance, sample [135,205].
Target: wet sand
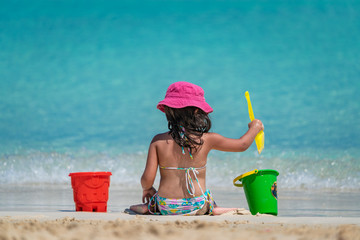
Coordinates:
[291,203]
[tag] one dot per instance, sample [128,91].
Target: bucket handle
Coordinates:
[255,171]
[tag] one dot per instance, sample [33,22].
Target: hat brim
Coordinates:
[181,103]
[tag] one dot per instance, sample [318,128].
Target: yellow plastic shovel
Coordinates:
[260,137]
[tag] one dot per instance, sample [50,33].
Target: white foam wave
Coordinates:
[308,170]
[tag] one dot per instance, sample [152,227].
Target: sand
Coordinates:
[47,212]
[291,203]
[81,225]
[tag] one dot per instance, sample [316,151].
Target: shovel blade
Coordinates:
[260,141]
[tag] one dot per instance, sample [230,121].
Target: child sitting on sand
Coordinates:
[181,155]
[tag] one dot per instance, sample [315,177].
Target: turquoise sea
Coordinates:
[80,80]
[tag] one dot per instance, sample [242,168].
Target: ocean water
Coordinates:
[80,80]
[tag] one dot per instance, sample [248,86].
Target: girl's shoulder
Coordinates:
[161,137]
[211,139]
[210,135]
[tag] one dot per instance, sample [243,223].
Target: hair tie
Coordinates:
[182,136]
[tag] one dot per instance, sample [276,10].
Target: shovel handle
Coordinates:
[255,171]
[251,113]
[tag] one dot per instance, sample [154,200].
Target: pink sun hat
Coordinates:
[184,94]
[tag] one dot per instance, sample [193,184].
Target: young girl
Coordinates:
[181,155]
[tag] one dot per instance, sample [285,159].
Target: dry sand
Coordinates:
[73,225]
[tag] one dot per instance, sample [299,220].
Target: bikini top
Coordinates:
[189,181]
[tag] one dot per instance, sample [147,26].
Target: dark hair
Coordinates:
[193,120]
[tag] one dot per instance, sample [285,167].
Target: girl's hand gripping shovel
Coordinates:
[260,137]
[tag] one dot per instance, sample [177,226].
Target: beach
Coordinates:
[47,212]
[79,86]
[82,225]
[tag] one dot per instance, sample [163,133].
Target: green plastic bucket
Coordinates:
[260,190]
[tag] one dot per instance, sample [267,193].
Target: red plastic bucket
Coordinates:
[91,190]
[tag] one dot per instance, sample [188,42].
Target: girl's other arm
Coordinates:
[148,177]
[222,143]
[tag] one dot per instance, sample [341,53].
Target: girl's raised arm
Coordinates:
[221,143]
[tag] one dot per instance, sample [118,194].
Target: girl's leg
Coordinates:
[140,208]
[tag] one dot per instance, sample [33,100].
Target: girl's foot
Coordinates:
[140,208]
[230,211]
